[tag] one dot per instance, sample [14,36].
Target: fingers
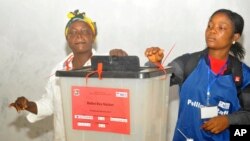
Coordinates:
[118,52]
[153,50]
[15,106]
[213,128]
[150,51]
[154,54]
[216,125]
[12,105]
[208,126]
[20,104]
[161,52]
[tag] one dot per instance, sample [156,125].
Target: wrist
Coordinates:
[31,107]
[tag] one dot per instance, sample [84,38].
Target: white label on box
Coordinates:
[101,125]
[84,124]
[101,118]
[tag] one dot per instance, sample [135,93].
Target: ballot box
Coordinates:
[115,105]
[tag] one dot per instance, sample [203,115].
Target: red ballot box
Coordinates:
[122,106]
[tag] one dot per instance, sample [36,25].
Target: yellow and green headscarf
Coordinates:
[77,16]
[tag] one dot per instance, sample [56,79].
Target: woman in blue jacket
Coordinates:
[209,102]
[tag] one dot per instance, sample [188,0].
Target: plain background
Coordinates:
[32,42]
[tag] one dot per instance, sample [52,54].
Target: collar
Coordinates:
[229,62]
[67,65]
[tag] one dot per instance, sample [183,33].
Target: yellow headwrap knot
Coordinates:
[77,16]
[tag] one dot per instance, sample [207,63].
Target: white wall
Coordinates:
[32,41]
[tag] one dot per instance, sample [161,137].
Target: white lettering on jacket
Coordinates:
[224,105]
[221,104]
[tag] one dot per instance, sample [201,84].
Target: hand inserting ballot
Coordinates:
[154,54]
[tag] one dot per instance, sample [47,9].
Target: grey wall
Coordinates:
[32,41]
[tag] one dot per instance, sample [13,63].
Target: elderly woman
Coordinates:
[80,34]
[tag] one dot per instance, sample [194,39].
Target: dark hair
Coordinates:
[238,23]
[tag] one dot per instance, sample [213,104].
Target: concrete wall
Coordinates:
[32,41]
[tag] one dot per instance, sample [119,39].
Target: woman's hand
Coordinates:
[117,52]
[154,54]
[23,103]
[216,125]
